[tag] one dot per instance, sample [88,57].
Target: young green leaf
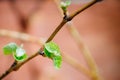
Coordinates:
[9,48]
[57,62]
[20,54]
[68,2]
[52,51]
[65,4]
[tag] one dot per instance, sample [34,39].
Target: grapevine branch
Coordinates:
[40,51]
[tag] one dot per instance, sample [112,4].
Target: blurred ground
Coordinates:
[99,27]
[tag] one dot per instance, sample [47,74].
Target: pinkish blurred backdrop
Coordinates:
[99,27]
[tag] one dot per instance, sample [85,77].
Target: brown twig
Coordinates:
[83,8]
[22,36]
[75,64]
[75,34]
[86,53]
[29,38]
[56,30]
[66,58]
[65,20]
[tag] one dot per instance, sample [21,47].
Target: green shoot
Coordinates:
[65,4]
[19,54]
[52,51]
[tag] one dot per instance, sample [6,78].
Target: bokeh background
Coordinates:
[99,27]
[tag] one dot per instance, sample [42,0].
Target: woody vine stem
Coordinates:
[66,18]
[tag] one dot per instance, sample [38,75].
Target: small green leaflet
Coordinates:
[52,51]
[9,48]
[19,54]
[65,4]
[57,61]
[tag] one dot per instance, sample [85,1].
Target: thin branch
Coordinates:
[17,66]
[83,8]
[65,20]
[84,49]
[56,30]
[69,18]
[75,34]
[17,35]
[22,36]
[75,64]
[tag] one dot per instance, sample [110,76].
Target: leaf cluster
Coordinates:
[19,54]
[52,51]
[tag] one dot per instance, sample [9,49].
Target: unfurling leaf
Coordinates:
[52,51]
[65,4]
[57,61]
[9,48]
[20,54]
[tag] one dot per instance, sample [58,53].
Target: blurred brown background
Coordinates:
[99,27]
